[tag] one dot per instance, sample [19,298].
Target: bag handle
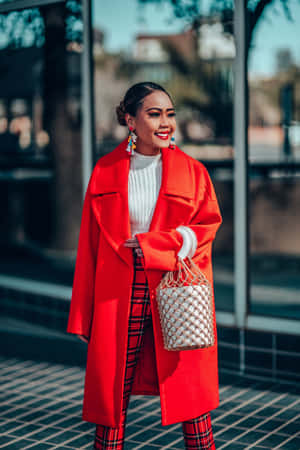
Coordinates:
[186,270]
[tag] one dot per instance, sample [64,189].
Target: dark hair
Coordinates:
[134,97]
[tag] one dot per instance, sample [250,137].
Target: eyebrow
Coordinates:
[160,109]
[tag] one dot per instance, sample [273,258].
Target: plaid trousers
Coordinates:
[197,432]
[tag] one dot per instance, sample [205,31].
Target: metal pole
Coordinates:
[240,167]
[88,124]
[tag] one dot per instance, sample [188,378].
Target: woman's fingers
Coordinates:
[139,252]
[133,243]
[83,338]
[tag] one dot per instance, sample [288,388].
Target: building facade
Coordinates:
[65,65]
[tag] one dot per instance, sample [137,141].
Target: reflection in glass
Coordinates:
[40,146]
[191,53]
[274,157]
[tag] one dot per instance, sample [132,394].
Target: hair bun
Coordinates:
[121,111]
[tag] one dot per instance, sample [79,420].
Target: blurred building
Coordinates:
[64,67]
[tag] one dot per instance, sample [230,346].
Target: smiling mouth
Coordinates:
[163,136]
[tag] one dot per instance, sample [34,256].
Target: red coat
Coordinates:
[187,381]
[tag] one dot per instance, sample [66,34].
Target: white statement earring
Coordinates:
[131,146]
[172,142]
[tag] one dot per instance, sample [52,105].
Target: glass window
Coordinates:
[40,145]
[274,161]
[190,51]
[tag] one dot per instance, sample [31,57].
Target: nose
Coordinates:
[165,121]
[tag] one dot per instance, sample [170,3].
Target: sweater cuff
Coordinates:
[189,245]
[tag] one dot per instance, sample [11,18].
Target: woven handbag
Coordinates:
[185,306]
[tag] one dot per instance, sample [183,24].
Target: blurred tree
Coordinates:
[202,86]
[284,59]
[210,100]
[191,11]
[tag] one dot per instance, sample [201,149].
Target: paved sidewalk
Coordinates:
[40,409]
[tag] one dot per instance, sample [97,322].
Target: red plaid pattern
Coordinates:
[197,432]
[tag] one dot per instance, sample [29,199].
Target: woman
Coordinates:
[146,201]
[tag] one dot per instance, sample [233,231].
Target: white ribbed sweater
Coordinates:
[143,188]
[144,183]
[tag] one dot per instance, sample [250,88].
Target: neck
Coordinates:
[147,154]
[147,150]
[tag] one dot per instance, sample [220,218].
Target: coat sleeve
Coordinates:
[206,220]
[160,248]
[81,308]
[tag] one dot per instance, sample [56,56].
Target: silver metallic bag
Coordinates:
[185,306]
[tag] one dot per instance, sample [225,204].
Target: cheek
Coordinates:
[148,129]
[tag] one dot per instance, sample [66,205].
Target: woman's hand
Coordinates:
[134,243]
[83,338]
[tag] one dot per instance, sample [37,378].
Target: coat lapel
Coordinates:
[175,199]
[109,190]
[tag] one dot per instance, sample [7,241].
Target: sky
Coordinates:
[121,20]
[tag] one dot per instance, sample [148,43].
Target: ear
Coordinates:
[130,120]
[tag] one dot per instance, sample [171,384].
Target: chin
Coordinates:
[162,144]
